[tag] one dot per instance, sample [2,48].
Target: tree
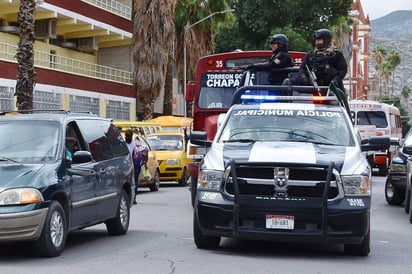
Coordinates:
[25,56]
[199,39]
[378,54]
[257,19]
[394,59]
[152,43]
[386,70]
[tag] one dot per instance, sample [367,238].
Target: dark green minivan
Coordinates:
[61,172]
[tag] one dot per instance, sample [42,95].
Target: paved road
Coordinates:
[160,241]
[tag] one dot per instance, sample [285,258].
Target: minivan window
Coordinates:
[29,141]
[94,132]
[116,141]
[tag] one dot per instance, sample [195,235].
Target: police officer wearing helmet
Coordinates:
[279,59]
[326,61]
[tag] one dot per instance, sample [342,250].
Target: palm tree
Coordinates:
[25,57]
[394,59]
[152,46]
[386,71]
[378,54]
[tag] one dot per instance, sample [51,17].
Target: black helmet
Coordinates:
[278,38]
[324,34]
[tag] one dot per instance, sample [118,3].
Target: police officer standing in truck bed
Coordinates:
[326,61]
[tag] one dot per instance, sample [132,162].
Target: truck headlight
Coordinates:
[19,196]
[172,162]
[397,168]
[210,180]
[356,185]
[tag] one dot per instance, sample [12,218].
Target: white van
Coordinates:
[386,118]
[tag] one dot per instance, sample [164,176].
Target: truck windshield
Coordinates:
[290,125]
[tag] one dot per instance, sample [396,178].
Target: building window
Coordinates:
[118,110]
[47,100]
[84,104]
[6,98]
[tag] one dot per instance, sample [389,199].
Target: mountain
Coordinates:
[395,25]
[393,32]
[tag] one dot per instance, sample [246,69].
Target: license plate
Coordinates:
[280,222]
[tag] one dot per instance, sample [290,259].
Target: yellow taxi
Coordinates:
[171,154]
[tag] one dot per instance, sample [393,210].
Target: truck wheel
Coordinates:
[393,195]
[202,241]
[410,211]
[361,249]
[383,170]
[53,236]
[407,199]
[120,224]
[193,189]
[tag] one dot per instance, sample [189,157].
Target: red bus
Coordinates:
[216,79]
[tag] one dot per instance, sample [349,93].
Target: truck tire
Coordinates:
[410,211]
[393,195]
[361,249]
[407,199]
[193,189]
[383,170]
[202,241]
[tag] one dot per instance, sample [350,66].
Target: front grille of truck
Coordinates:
[303,181]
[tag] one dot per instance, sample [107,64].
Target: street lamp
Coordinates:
[184,51]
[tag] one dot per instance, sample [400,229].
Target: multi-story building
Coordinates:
[357,78]
[82,56]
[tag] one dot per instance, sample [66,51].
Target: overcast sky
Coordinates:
[379,8]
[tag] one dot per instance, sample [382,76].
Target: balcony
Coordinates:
[68,65]
[113,7]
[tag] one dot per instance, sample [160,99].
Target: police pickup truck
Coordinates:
[285,167]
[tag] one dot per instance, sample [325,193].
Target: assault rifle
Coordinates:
[313,78]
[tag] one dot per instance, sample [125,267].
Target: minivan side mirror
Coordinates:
[82,156]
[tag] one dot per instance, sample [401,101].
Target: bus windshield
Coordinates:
[216,90]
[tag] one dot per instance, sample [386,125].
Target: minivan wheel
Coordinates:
[120,224]
[202,241]
[156,182]
[53,237]
[393,195]
[361,249]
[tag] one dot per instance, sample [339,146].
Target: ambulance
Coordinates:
[387,120]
